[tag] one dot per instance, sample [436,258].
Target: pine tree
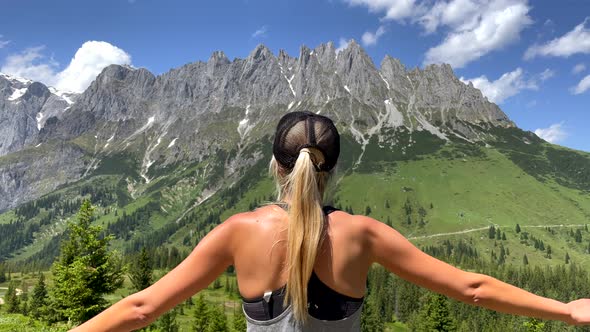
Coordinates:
[201,315]
[84,271]
[578,236]
[39,297]
[141,271]
[517,228]
[24,299]
[371,320]
[12,299]
[167,322]
[567,257]
[525,260]
[503,236]
[492,232]
[2,273]
[435,315]
[217,320]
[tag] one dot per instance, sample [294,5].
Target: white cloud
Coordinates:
[493,27]
[582,86]
[473,28]
[554,134]
[508,85]
[342,44]
[90,59]
[87,63]
[31,64]
[393,9]
[580,67]
[3,43]
[370,38]
[546,74]
[260,32]
[458,14]
[575,41]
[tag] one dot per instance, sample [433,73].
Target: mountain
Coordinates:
[178,151]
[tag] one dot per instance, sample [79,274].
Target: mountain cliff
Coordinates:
[177,152]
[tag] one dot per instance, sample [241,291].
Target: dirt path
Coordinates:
[487,227]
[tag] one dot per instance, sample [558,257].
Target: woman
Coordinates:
[302,266]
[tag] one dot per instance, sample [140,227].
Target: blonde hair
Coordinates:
[303,187]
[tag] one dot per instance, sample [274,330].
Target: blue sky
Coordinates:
[532,58]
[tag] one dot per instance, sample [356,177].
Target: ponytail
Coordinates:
[304,188]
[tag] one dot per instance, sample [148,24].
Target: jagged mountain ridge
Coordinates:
[196,110]
[25,106]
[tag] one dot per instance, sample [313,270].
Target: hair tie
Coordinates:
[317,157]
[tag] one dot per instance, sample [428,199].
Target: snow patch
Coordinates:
[244,125]
[17,93]
[384,80]
[347,89]
[291,85]
[65,95]
[172,143]
[110,139]
[147,162]
[38,145]
[290,105]
[39,118]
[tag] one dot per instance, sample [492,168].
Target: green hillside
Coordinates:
[459,201]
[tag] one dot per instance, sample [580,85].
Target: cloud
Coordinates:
[31,64]
[370,38]
[87,63]
[394,9]
[546,74]
[582,86]
[90,59]
[554,134]
[260,32]
[580,67]
[473,28]
[493,27]
[342,44]
[3,43]
[508,85]
[575,41]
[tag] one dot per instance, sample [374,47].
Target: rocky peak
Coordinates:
[261,53]
[216,63]
[326,54]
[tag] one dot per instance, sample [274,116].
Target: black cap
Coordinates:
[298,130]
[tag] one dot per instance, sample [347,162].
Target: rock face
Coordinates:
[202,108]
[25,106]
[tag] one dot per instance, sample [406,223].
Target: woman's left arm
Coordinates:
[208,260]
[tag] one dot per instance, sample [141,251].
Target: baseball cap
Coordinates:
[298,130]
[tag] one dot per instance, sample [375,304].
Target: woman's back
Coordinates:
[260,252]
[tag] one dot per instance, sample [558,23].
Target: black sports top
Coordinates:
[323,302]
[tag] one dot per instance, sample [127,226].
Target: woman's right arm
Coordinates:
[390,249]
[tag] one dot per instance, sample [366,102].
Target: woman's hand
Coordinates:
[579,312]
